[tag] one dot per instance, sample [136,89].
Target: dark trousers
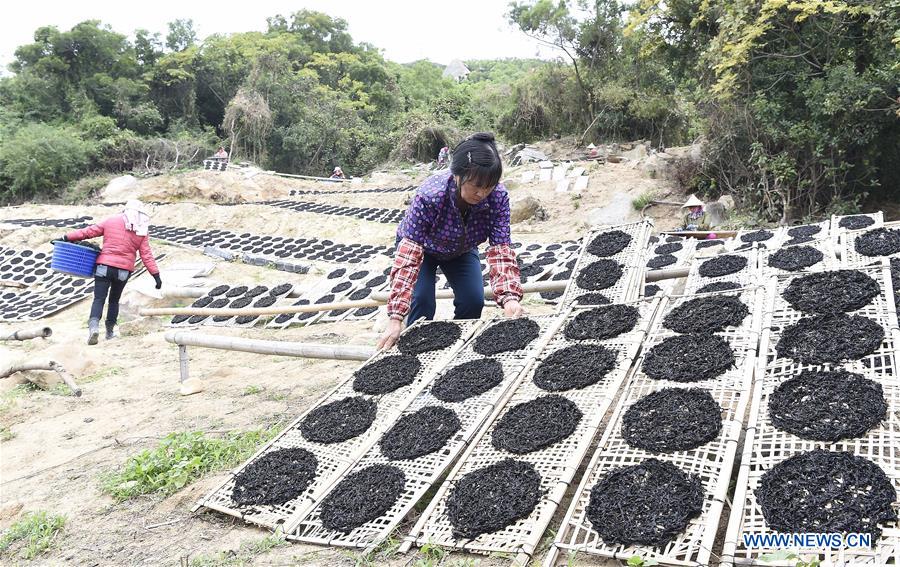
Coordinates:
[111,284]
[464,275]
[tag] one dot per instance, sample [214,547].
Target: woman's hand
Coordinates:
[512,309]
[391,334]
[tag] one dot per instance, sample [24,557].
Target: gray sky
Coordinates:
[406,30]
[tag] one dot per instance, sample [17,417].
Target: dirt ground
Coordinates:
[56,448]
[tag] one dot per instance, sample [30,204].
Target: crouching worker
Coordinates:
[124,235]
[449,216]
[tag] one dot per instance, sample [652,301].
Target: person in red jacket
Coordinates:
[124,235]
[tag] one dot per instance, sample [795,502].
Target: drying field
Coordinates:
[616,419]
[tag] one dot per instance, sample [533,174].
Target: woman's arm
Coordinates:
[501,258]
[147,257]
[92,231]
[404,273]
[504,272]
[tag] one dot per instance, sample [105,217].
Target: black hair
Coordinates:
[476,159]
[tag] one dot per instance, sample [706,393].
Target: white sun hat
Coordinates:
[692,201]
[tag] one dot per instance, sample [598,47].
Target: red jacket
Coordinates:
[119,244]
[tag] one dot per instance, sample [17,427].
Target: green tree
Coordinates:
[181,35]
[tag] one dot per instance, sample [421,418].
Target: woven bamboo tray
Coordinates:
[334,458]
[823,245]
[421,473]
[748,276]
[632,258]
[557,464]
[850,257]
[765,446]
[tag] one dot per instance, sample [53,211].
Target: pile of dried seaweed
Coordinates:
[599,275]
[757,236]
[831,292]
[718,286]
[512,334]
[339,421]
[826,492]
[827,405]
[274,478]
[574,367]
[856,222]
[429,337]
[386,375]
[658,262]
[706,314]
[467,380]
[795,258]
[834,337]
[419,433]
[594,298]
[722,266]
[672,419]
[645,504]
[493,497]
[532,426]
[878,242]
[710,243]
[602,323]
[651,290]
[688,358]
[804,231]
[362,497]
[668,248]
[609,243]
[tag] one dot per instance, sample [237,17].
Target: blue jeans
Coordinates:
[464,275]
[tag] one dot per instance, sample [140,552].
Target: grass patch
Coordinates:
[179,459]
[86,188]
[385,551]
[32,535]
[251,390]
[6,434]
[244,555]
[643,200]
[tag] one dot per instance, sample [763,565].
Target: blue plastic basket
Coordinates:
[73,259]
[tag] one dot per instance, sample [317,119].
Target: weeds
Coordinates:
[251,390]
[244,555]
[384,552]
[179,459]
[6,434]
[35,533]
[643,200]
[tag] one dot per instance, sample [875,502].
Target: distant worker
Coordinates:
[124,235]
[221,153]
[338,173]
[449,216]
[696,218]
[443,157]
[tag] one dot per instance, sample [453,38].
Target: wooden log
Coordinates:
[50,365]
[26,334]
[278,348]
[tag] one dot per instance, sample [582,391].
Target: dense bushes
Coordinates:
[40,157]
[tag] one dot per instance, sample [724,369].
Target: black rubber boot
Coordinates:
[93,331]
[110,332]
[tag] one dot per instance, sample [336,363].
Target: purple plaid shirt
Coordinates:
[433,219]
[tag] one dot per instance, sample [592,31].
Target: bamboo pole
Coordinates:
[278,348]
[25,334]
[50,365]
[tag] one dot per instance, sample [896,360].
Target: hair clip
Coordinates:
[470,156]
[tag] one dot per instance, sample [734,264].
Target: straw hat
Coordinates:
[591,146]
[692,201]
